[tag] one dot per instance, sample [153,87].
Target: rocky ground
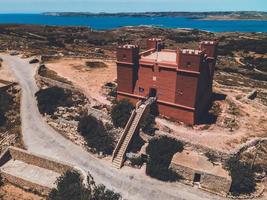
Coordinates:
[10,192]
[65,119]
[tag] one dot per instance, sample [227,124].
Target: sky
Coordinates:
[38,6]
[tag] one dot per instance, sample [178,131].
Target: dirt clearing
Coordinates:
[89,79]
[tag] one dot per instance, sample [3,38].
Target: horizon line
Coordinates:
[127,12]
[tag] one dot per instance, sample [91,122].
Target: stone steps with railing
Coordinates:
[129,131]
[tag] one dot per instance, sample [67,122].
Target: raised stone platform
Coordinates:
[31,171]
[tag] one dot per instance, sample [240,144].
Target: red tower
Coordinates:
[155,43]
[181,80]
[127,66]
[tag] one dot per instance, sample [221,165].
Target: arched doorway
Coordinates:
[152,92]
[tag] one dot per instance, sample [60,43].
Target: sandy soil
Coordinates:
[90,81]
[6,74]
[10,192]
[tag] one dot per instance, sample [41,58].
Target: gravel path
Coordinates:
[42,139]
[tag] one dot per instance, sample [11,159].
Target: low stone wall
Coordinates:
[40,161]
[36,160]
[215,184]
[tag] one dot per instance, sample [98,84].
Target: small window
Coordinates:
[180,92]
[141,89]
[188,64]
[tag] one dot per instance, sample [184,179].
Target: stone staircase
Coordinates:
[129,131]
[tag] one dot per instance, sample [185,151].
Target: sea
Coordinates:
[107,23]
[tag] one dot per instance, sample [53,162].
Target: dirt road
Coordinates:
[42,139]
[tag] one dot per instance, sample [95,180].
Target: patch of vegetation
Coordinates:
[161,151]
[101,38]
[96,135]
[257,46]
[70,187]
[137,161]
[113,92]
[230,123]
[211,157]
[110,85]
[2,118]
[183,37]
[51,98]
[95,64]
[121,112]
[233,109]
[136,144]
[6,101]
[243,178]
[260,63]
[148,124]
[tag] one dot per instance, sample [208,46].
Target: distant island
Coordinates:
[239,15]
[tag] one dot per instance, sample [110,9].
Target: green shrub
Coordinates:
[121,112]
[137,161]
[2,118]
[148,124]
[243,178]
[51,98]
[113,92]
[95,134]
[95,64]
[211,157]
[71,187]
[161,151]
[136,144]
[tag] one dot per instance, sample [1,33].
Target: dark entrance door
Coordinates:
[197,178]
[153,92]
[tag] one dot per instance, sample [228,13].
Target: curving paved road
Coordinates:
[42,139]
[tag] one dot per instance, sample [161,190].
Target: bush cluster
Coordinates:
[161,151]
[5,101]
[257,46]
[96,135]
[51,98]
[71,187]
[121,112]
[148,123]
[243,178]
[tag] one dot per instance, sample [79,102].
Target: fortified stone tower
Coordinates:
[127,67]
[155,43]
[210,49]
[189,59]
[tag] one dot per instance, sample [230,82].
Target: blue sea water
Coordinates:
[102,23]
